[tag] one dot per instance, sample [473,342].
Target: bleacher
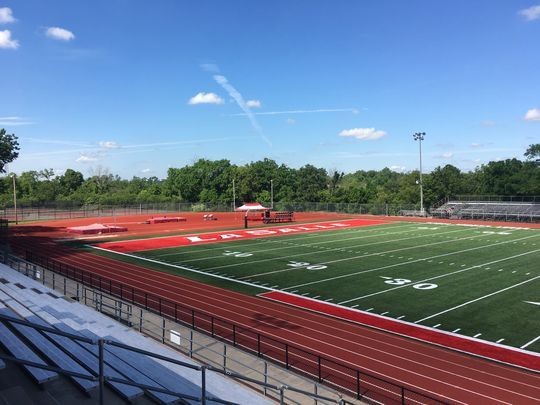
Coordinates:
[488,210]
[56,340]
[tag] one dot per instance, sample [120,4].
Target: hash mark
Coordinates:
[457,330]
[478,334]
[499,341]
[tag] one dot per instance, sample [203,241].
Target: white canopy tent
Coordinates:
[252,207]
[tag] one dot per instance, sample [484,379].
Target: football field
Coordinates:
[476,281]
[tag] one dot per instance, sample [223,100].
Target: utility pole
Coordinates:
[271,193]
[233,196]
[419,136]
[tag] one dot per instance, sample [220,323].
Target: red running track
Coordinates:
[451,376]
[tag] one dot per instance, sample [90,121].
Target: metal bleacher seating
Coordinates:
[158,380]
[500,210]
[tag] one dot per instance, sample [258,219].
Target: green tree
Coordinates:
[9,149]
[533,151]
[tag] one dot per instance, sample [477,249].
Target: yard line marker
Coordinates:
[317,296]
[384,313]
[304,294]
[295,291]
[530,343]
[500,270]
[274,286]
[477,335]
[399,317]
[436,326]
[406,263]
[513,272]
[499,341]
[478,299]
[329,299]
[369,309]
[456,330]
[451,264]
[463,265]
[354,306]
[527,274]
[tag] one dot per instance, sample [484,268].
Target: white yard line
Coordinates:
[184,268]
[441,276]
[316,246]
[485,296]
[344,259]
[294,237]
[397,264]
[530,343]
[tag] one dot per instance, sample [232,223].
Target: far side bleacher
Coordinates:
[516,211]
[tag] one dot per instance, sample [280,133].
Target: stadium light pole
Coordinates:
[15,198]
[272,193]
[419,136]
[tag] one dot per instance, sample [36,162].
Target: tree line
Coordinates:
[211,181]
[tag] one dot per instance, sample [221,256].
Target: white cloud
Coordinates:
[59,33]
[146,170]
[531,13]
[398,169]
[446,155]
[86,158]
[253,104]
[290,121]
[109,145]
[364,134]
[6,42]
[205,98]
[14,121]
[532,115]
[6,15]
[319,110]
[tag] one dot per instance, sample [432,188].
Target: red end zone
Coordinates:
[492,351]
[225,236]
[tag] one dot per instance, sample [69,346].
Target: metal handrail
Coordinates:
[237,335]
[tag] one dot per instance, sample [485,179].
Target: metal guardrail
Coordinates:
[122,312]
[354,381]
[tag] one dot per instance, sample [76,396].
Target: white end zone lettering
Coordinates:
[196,239]
[229,236]
[261,232]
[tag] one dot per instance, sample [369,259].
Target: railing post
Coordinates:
[319,367]
[234,335]
[163,334]
[203,385]
[282,394]
[403,395]
[224,356]
[358,396]
[265,376]
[101,343]
[259,344]
[286,355]
[192,319]
[190,343]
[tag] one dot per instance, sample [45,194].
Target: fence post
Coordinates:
[203,385]
[163,333]
[319,367]
[101,343]
[65,286]
[140,320]
[224,357]
[190,343]
[403,395]
[358,396]
[259,344]
[286,355]
[234,334]
[265,376]
[282,395]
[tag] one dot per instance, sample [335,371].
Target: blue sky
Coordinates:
[135,87]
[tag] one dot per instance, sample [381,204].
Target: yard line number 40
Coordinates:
[404,281]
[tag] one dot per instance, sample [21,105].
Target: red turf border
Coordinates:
[517,357]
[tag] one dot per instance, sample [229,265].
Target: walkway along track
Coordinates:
[443,374]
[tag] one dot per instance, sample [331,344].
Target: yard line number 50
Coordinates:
[403,281]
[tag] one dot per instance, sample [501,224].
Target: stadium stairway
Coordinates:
[25,299]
